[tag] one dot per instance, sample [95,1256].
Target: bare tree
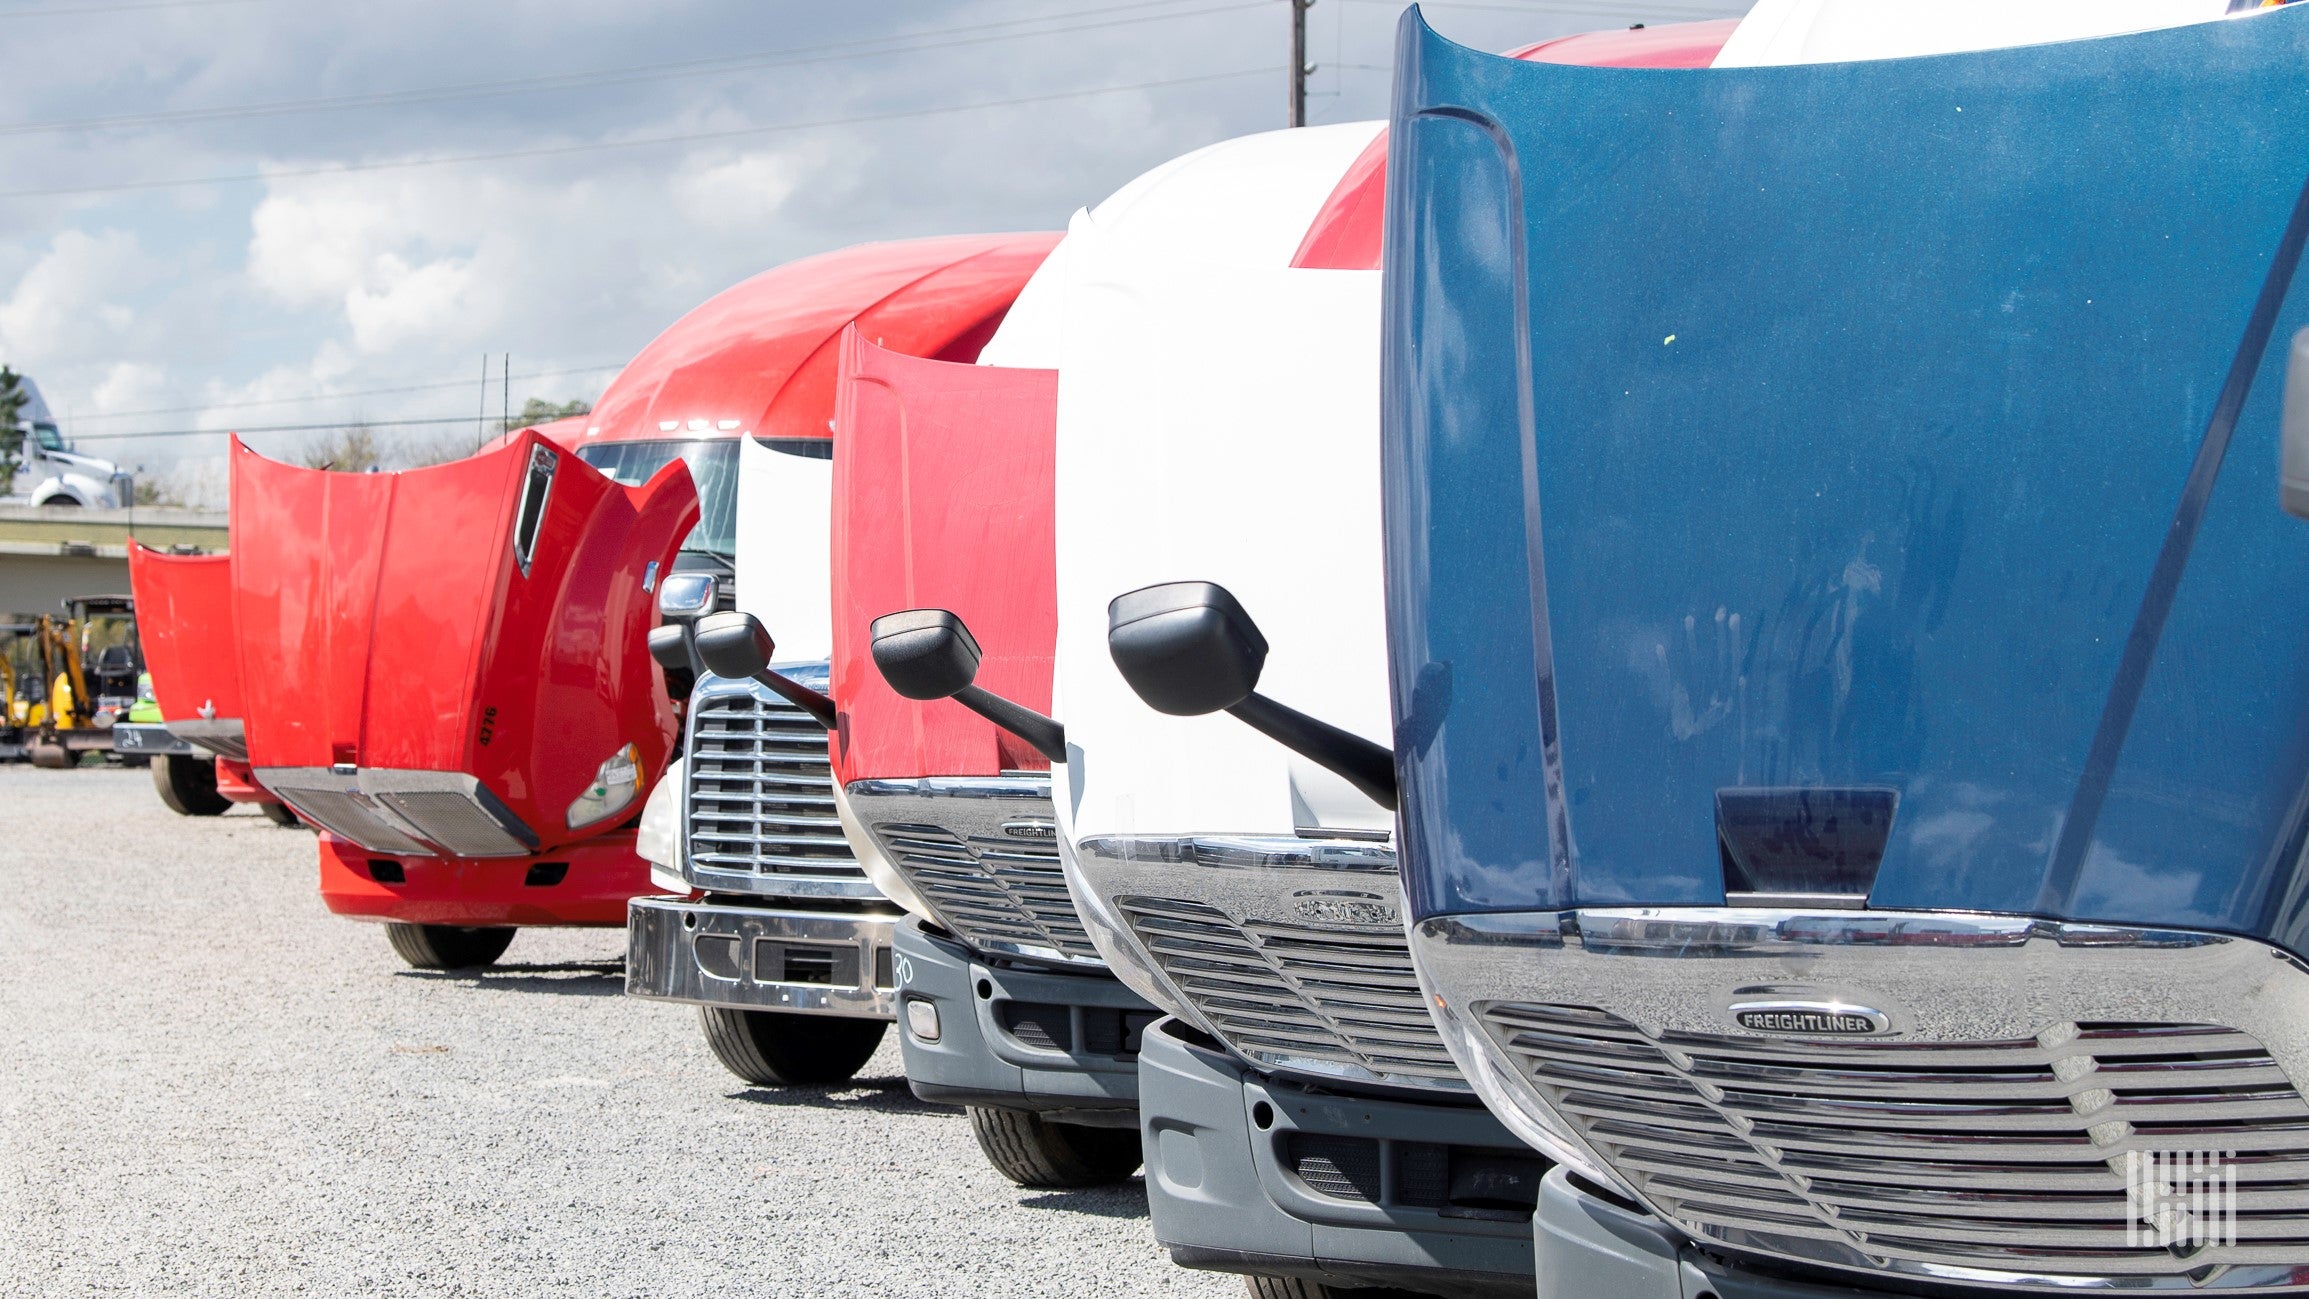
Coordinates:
[351,450]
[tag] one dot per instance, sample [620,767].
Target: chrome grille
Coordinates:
[761,792]
[1341,998]
[2009,1156]
[993,892]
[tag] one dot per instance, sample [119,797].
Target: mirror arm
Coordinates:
[1358,761]
[819,707]
[1046,734]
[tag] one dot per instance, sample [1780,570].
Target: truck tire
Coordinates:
[1293,1287]
[281,814]
[447,947]
[1032,1151]
[188,785]
[772,1049]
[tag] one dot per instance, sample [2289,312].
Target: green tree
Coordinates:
[535,411]
[12,399]
[351,450]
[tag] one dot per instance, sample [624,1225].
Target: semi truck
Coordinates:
[197,744]
[1845,561]
[1005,1006]
[50,472]
[769,922]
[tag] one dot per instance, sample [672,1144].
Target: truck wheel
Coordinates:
[188,785]
[1032,1151]
[1292,1287]
[772,1049]
[447,947]
[281,814]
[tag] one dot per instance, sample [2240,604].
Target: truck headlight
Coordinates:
[613,790]
[659,841]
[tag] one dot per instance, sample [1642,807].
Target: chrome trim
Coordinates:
[758,813]
[663,961]
[1290,950]
[1981,1142]
[963,845]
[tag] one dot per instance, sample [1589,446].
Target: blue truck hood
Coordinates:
[1784,464]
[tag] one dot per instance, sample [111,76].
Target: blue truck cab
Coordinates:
[1850,659]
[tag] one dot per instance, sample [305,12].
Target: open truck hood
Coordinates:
[443,659]
[1892,438]
[942,499]
[184,620]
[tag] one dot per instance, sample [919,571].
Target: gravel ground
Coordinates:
[210,1086]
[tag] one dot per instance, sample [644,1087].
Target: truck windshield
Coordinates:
[713,466]
[48,436]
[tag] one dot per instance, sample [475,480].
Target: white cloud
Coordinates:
[71,300]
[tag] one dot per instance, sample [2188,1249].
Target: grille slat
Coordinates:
[992,892]
[1983,1153]
[1298,994]
[761,792]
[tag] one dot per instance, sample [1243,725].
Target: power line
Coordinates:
[691,137]
[269,428]
[318,398]
[903,43]
[72,11]
[1636,10]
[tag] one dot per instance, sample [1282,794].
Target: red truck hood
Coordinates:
[184,618]
[443,658]
[944,495]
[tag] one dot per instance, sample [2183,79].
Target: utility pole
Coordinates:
[1299,68]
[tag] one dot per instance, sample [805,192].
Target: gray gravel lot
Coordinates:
[210,1086]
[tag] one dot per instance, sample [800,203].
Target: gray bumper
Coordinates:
[147,737]
[1063,1044]
[1585,1245]
[761,957]
[1246,1173]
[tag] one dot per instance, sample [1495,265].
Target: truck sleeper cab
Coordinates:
[944,499]
[1831,820]
[786,941]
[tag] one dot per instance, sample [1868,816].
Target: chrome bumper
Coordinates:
[762,958]
[1965,1099]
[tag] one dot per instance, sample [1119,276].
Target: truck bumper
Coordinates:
[585,883]
[147,738]
[720,952]
[1059,1043]
[1246,1173]
[1586,1245]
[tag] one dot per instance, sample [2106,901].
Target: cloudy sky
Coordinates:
[249,213]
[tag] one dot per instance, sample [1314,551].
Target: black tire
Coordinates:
[448,947]
[771,1049]
[188,785]
[281,814]
[1032,1151]
[1293,1287]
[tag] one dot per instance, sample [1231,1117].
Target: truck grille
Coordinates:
[1337,999]
[993,893]
[761,793]
[2011,1156]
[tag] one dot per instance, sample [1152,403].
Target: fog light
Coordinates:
[922,1020]
[614,788]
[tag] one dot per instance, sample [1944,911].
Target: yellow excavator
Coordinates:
[68,679]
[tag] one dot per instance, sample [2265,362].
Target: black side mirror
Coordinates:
[670,646]
[1186,648]
[1189,648]
[737,646]
[925,653]
[929,654]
